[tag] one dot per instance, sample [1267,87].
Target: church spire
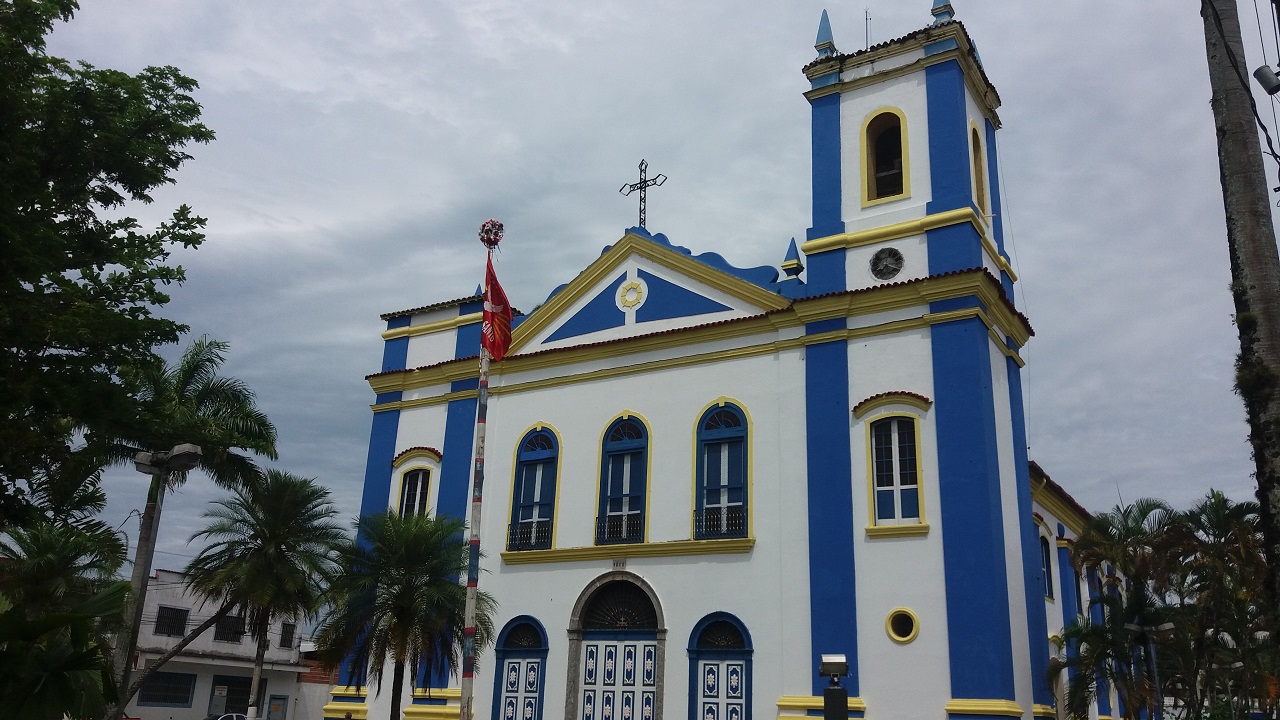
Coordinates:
[942,11]
[825,45]
[791,264]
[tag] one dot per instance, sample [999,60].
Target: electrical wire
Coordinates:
[1235,65]
[1262,43]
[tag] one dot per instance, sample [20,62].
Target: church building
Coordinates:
[701,478]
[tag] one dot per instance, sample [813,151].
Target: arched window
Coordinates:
[722,474]
[720,669]
[623,463]
[533,492]
[979,173]
[521,660]
[886,158]
[413,492]
[1046,566]
[895,470]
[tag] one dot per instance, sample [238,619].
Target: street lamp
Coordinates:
[835,699]
[161,466]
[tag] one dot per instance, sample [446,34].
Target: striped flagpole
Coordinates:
[473,560]
[490,236]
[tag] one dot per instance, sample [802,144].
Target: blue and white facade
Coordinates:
[700,478]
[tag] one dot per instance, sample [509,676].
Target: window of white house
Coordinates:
[171,621]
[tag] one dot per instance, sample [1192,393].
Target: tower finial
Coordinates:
[825,45]
[942,11]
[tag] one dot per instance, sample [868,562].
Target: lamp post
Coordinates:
[835,698]
[160,466]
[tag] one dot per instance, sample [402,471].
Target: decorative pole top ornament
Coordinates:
[491,233]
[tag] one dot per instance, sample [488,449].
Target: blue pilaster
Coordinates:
[955,247]
[978,616]
[455,467]
[1069,585]
[832,603]
[1096,617]
[825,129]
[1032,574]
[395,352]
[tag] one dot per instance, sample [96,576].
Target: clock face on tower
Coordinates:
[886,263]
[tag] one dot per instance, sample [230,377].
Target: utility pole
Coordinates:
[1255,263]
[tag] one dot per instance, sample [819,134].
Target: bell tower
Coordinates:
[904,159]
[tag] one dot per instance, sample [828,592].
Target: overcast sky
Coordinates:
[360,146]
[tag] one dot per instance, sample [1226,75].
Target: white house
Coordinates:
[701,477]
[212,674]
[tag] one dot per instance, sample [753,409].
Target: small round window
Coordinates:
[902,625]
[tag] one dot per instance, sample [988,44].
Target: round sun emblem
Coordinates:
[630,294]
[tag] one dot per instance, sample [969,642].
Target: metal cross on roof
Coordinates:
[644,184]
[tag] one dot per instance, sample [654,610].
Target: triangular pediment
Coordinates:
[637,287]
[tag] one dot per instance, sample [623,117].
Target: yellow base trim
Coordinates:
[877,531]
[437,693]
[809,702]
[1045,711]
[605,552]
[432,712]
[359,711]
[431,327]
[984,707]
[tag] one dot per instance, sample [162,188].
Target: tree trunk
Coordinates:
[255,684]
[397,688]
[127,640]
[151,669]
[1255,264]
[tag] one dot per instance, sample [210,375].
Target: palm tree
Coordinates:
[1135,541]
[398,598]
[186,403]
[273,543]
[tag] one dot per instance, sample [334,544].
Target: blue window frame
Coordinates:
[722,474]
[623,463]
[534,492]
[895,469]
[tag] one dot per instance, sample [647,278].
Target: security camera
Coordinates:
[1266,77]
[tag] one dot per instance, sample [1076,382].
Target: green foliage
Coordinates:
[190,402]
[54,665]
[1202,571]
[80,278]
[398,597]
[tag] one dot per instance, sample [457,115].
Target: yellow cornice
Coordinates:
[974,78]
[1045,711]
[359,711]
[879,531]
[653,549]
[352,691]
[432,712]
[1068,515]
[609,261]
[809,702]
[984,707]
[776,346]
[907,228]
[1066,543]
[427,328]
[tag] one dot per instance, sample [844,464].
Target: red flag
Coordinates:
[495,332]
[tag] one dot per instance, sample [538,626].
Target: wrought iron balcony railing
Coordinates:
[618,529]
[529,535]
[720,522]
